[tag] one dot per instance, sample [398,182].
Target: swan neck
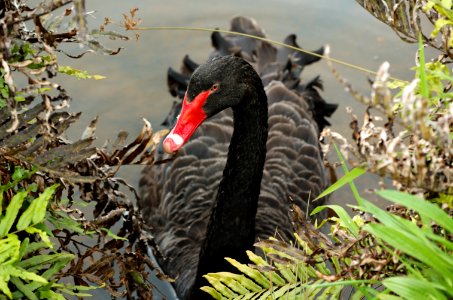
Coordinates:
[231,228]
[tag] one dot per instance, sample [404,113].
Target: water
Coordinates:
[136,78]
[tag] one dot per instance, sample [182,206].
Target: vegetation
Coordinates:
[66,224]
[50,247]
[27,261]
[404,252]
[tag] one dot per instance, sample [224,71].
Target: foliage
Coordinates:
[79,74]
[422,233]
[315,266]
[45,237]
[406,19]
[29,261]
[404,252]
[46,231]
[408,250]
[419,158]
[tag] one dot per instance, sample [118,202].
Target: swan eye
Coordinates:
[215,87]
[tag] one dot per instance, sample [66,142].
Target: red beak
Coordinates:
[192,115]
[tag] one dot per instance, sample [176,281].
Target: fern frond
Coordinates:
[310,267]
[255,274]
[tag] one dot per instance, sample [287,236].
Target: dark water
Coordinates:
[136,78]
[135,86]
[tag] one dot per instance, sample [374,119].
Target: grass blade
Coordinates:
[354,189]
[414,245]
[343,215]
[424,208]
[412,288]
[347,178]
[421,68]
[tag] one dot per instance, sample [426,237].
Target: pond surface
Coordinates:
[135,86]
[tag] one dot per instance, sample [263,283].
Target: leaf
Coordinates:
[268,293]
[39,261]
[271,275]
[283,291]
[354,190]
[245,282]
[257,260]
[252,273]
[211,291]
[11,273]
[412,288]
[438,25]
[378,213]
[23,288]
[56,267]
[26,217]
[42,202]
[233,281]
[23,247]
[11,212]
[62,221]
[416,246]
[424,208]
[49,294]
[9,249]
[19,174]
[220,287]
[407,236]
[343,215]
[421,68]
[81,288]
[347,178]
[34,247]
[79,74]
[4,278]
[24,274]
[304,271]
[287,273]
[112,235]
[42,234]
[36,211]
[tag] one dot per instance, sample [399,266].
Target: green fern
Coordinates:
[28,264]
[288,271]
[275,280]
[408,256]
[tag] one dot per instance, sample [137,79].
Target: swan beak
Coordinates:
[192,115]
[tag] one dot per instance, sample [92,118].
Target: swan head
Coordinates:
[214,86]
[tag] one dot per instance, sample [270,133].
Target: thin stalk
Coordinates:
[337,61]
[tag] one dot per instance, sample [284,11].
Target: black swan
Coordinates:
[200,214]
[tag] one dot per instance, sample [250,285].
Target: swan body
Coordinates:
[247,141]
